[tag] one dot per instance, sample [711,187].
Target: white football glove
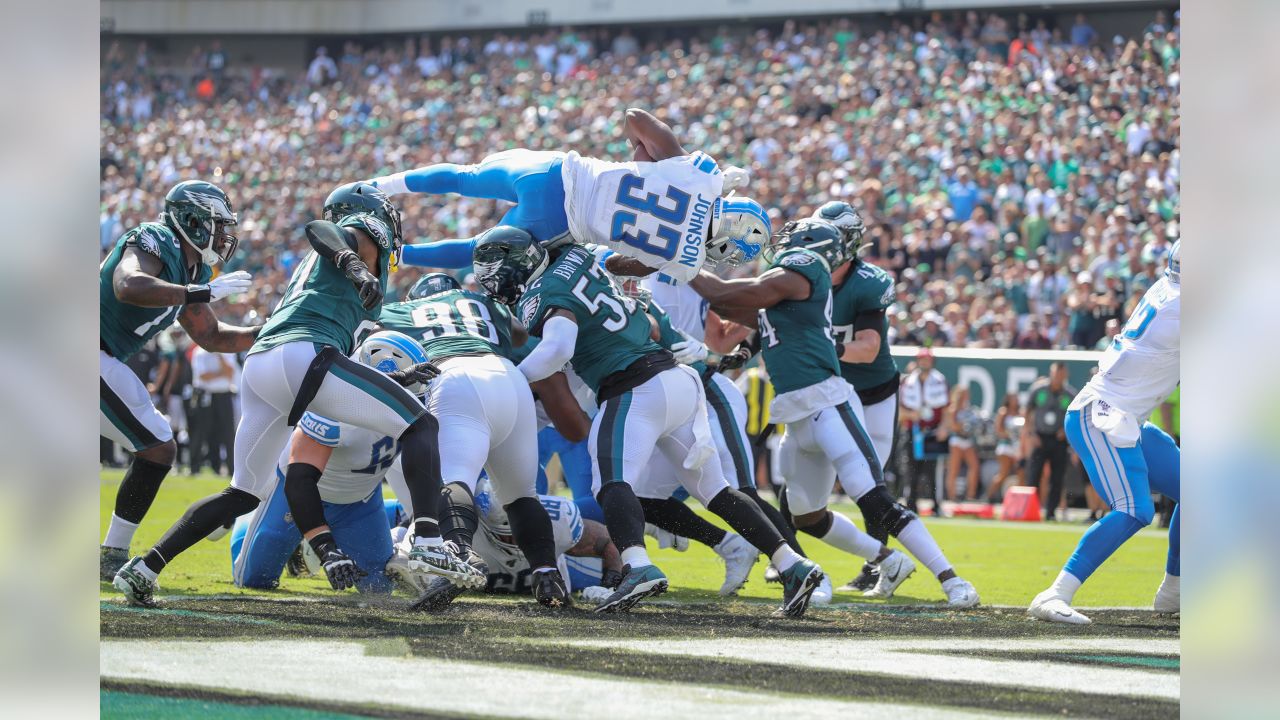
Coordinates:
[689,351]
[734,178]
[229,284]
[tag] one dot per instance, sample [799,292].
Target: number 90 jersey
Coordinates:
[659,213]
[360,459]
[1141,367]
[452,323]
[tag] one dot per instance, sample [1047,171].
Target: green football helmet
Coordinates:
[507,259]
[200,213]
[842,215]
[362,198]
[814,234]
[431,284]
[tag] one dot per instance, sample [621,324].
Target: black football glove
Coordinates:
[341,570]
[367,286]
[735,359]
[410,376]
[610,579]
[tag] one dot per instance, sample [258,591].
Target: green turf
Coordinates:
[143,706]
[1008,562]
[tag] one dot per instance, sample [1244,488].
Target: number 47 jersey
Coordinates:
[659,213]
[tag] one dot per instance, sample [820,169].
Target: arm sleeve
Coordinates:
[302,491]
[559,336]
[450,254]
[868,320]
[328,239]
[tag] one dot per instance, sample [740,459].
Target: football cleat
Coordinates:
[866,579]
[894,570]
[549,589]
[138,589]
[960,593]
[1168,597]
[296,566]
[636,585]
[436,595]
[666,538]
[798,583]
[739,557]
[110,560]
[437,591]
[771,574]
[596,594]
[1051,608]
[220,532]
[443,560]
[821,597]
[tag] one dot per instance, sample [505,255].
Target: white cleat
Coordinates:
[1049,607]
[595,594]
[821,597]
[894,570]
[1168,598]
[960,593]
[739,557]
[666,538]
[397,568]
[443,560]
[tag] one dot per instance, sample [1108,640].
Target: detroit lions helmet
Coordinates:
[431,284]
[842,215]
[388,351]
[506,260]
[1174,270]
[739,228]
[200,212]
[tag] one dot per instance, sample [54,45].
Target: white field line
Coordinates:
[342,672]
[904,657]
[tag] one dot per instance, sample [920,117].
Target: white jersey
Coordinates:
[686,308]
[659,213]
[508,568]
[1141,367]
[360,459]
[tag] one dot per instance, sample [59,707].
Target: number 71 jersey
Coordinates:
[452,323]
[659,213]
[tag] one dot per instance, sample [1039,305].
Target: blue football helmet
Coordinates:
[740,227]
[388,351]
[1174,270]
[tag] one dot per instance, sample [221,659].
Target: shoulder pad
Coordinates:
[376,229]
[321,429]
[151,238]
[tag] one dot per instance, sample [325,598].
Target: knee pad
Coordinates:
[239,502]
[820,528]
[882,513]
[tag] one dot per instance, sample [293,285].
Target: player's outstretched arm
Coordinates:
[351,251]
[723,335]
[627,266]
[562,407]
[449,254]
[757,293]
[214,335]
[136,281]
[559,337]
[652,138]
[596,542]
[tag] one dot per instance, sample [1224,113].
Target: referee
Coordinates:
[1047,402]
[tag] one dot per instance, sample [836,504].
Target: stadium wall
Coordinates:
[992,374]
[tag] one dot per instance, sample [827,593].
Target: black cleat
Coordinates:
[549,589]
[866,580]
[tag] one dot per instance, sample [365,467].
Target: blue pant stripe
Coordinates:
[1125,486]
[1091,460]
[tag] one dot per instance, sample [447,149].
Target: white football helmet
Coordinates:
[1174,270]
[739,228]
[388,350]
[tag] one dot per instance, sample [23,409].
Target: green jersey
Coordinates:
[795,335]
[452,323]
[667,333]
[613,331]
[866,289]
[320,305]
[123,328]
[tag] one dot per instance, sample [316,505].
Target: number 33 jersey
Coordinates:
[659,213]
[360,459]
[1141,367]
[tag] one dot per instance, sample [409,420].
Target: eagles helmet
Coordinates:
[506,260]
[200,212]
[814,234]
[1174,270]
[388,351]
[739,227]
[842,215]
[364,198]
[431,284]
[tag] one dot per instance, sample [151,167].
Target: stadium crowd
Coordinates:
[1020,180]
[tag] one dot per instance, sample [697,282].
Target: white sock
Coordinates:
[1065,586]
[146,572]
[636,556]
[784,557]
[1172,583]
[846,536]
[427,541]
[120,532]
[916,539]
[723,545]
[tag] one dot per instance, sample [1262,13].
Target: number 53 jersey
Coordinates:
[659,213]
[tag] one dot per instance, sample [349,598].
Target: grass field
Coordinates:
[303,651]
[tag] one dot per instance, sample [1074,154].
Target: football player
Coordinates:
[158,272]
[664,211]
[298,363]
[1125,456]
[791,305]
[487,420]
[647,402]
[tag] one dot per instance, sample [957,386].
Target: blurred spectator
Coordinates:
[322,68]
[1009,444]
[1082,33]
[172,389]
[961,424]
[924,400]
[215,380]
[1047,401]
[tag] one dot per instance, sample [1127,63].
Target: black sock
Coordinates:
[820,528]
[532,529]
[674,516]
[784,507]
[138,489]
[745,517]
[622,514]
[203,517]
[458,520]
[420,453]
[784,528]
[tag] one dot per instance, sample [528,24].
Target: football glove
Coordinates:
[735,359]
[367,286]
[341,570]
[689,351]
[414,374]
[220,287]
[734,178]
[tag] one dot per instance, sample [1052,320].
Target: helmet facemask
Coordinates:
[505,276]
[202,223]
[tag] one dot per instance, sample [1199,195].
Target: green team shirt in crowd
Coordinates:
[452,323]
[125,328]
[667,333]
[795,335]
[321,305]
[866,289]
[613,330]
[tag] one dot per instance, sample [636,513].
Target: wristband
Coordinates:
[198,294]
[323,543]
[839,350]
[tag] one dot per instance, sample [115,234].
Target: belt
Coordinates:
[635,374]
